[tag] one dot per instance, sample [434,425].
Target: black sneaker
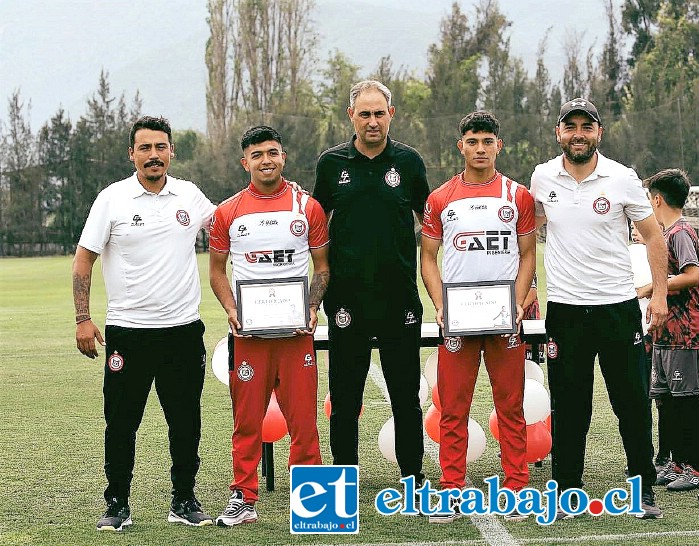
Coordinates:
[650,509]
[116,517]
[688,480]
[237,511]
[668,473]
[187,510]
[455,505]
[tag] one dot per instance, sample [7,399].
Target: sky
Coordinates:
[52,51]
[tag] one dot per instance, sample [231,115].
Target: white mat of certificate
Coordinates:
[479,308]
[273,306]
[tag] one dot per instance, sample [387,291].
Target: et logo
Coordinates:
[324,500]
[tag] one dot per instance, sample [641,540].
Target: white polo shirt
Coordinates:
[587,260]
[147,245]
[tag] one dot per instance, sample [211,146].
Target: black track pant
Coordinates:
[576,335]
[350,355]
[175,358]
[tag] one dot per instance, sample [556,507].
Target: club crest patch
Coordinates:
[115,362]
[506,213]
[453,344]
[245,371]
[298,227]
[392,177]
[343,318]
[552,349]
[601,205]
[182,217]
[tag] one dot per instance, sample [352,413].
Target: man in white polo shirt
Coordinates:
[587,201]
[145,228]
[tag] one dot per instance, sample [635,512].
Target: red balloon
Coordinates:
[435,398]
[493,425]
[538,442]
[274,425]
[327,407]
[432,417]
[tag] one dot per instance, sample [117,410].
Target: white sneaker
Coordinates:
[455,505]
[237,511]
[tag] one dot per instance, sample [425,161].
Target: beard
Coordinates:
[582,156]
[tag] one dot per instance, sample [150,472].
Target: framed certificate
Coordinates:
[474,308]
[273,307]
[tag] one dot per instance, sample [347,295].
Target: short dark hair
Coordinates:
[480,121]
[672,184]
[258,134]
[154,124]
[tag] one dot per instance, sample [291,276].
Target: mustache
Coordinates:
[153,163]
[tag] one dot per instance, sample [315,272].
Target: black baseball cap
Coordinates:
[579,105]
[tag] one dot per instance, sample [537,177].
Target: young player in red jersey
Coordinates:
[485,222]
[270,229]
[675,371]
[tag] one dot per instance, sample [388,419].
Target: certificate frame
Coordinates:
[477,308]
[273,307]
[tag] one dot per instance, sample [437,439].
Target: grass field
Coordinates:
[51,446]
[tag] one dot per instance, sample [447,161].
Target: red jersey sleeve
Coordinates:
[317,224]
[432,218]
[219,232]
[526,222]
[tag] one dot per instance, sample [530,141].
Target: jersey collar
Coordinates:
[135,189]
[253,190]
[388,151]
[602,170]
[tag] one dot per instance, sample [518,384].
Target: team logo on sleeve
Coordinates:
[552,349]
[245,371]
[115,362]
[182,217]
[308,360]
[506,213]
[392,177]
[601,205]
[298,227]
[343,318]
[453,344]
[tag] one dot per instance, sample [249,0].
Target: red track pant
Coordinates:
[257,367]
[456,379]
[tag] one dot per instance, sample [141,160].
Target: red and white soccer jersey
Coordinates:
[681,330]
[268,236]
[483,220]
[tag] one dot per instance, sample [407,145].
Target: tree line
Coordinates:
[262,68]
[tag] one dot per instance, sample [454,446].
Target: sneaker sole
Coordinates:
[683,487]
[174,518]
[221,523]
[122,527]
[442,520]
[645,516]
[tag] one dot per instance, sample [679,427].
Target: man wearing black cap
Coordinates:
[592,311]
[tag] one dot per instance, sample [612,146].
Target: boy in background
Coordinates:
[675,368]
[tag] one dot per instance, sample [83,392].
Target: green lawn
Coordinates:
[51,445]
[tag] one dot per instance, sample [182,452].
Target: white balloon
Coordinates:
[643,303]
[533,371]
[221,342]
[639,265]
[431,369]
[424,390]
[219,362]
[387,441]
[537,405]
[476,441]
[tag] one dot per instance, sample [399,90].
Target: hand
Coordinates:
[518,320]
[85,334]
[234,323]
[644,291]
[439,318]
[311,324]
[656,314]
